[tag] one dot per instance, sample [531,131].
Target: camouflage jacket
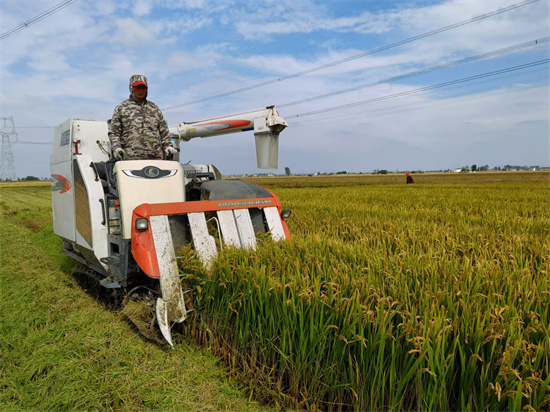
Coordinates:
[139,129]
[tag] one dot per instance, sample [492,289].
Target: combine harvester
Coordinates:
[125,220]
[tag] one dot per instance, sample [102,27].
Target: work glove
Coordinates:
[119,153]
[170,151]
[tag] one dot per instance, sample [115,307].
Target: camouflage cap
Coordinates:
[137,79]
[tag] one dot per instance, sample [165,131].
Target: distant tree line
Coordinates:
[505,168]
[472,168]
[25,179]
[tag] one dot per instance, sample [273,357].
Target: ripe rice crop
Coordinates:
[432,296]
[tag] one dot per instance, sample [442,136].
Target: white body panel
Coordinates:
[229,229]
[171,307]
[203,242]
[95,210]
[89,135]
[134,191]
[77,214]
[61,169]
[62,143]
[274,223]
[237,229]
[245,228]
[63,209]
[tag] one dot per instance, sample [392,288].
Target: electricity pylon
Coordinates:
[7,163]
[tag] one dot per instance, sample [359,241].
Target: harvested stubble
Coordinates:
[426,297]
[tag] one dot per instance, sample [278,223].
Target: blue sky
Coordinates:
[76,64]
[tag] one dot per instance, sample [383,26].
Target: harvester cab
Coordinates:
[125,220]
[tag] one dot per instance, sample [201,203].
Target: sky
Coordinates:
[339,71]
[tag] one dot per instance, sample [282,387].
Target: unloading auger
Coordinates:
[125,220]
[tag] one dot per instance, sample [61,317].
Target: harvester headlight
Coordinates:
[142,224]
[285,213]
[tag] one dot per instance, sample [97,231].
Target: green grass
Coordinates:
[62,350]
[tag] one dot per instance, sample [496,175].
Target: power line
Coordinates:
[357,56]
[36,19]
[22,141]
[382,111]
[35,127]
[386,110]
[388,97]
[421,89]
[454,63]
[424,71]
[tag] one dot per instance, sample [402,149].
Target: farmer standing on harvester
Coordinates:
[138,129]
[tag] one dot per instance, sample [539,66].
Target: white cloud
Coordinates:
[183,61]
[307,21]
[186,4]
[510,27]
[142,8]
[180,26]
[132,33]
[103,9]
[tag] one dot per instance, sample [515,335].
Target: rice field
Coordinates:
[432,296]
